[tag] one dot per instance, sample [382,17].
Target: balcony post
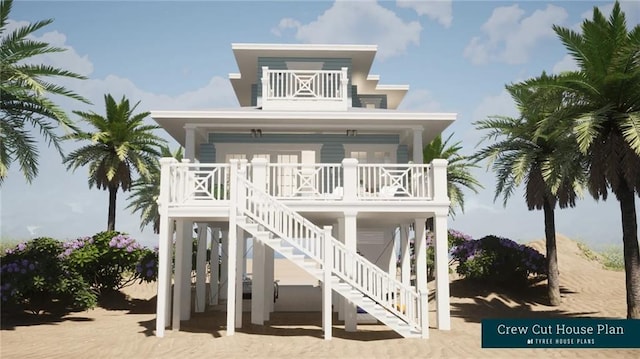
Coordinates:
[350,172]
[265,87]
[443,313]
[439,180]
[344,87]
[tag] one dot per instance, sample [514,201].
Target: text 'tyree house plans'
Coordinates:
[318,166]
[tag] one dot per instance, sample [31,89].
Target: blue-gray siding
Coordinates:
[402,154]
[297,138]
[332,153]
[207,153]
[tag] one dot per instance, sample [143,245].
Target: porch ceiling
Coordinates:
[362,120]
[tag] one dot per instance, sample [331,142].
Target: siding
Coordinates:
[402,154]
[207,153]
[332,153]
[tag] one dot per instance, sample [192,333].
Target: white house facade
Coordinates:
[318,166]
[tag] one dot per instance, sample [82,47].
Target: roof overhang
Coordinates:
[245,119]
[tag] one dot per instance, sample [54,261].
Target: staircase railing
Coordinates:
[401,300]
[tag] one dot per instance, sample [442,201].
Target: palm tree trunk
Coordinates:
[626,197]
[553,275]
[111,220]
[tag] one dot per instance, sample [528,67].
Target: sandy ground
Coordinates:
[124,328]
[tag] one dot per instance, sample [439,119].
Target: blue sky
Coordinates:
[455,56]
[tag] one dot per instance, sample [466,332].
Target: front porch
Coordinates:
[267,202]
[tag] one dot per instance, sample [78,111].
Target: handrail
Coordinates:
[198,183]
[401,300]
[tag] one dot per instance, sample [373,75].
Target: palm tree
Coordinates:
[547,162]
[121,144]
[145,192]
[601,103]
[458,169]
[24,88]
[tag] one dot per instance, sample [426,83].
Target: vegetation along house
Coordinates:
[317,166]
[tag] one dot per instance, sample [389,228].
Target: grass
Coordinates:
[611,257]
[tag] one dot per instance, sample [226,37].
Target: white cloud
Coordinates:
[510,37]
[419,100]
[501,104]
[439,10]
[566,64]
[360,22]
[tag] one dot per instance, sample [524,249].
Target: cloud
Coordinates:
[419,100]
[509,37]
[359,22]
[439,10]
[501,104]
[566,64]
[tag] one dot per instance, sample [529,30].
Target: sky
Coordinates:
[456,56]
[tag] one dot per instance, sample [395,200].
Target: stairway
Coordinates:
[352,276]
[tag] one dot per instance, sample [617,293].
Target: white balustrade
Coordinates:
[394,182]
[198,183]
[291,88]
[304,181]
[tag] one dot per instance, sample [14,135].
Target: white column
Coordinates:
[214,263]
[232,243]
[342,301]
[258,283]
[163,301]
[443,314]
[179,275]
[190,143]
[187,263]
[224,267]
[240,270]
[327,313]
[390,240]
[268,281]
[420,243]
[405,259]
[350,241]
[201,267]
[417,145]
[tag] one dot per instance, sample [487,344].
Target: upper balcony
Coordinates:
[309,90]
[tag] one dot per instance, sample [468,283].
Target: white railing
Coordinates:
[301,181]
[295,88]
[401,300]
[393,181]
[198,183]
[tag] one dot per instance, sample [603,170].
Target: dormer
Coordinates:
[310,77]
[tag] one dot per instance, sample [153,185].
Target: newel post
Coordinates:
[350,172]
[327,311]
[439,180]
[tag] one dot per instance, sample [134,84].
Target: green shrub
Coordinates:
[111,260]
[37,277]
[613,258]
[498,260]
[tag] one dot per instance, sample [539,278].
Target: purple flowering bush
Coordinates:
[111,260]
[35,277]
[454,239]
[498,260]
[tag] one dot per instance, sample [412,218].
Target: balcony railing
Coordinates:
[299,89]
[200,184]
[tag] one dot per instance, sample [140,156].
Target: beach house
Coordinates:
[318,166]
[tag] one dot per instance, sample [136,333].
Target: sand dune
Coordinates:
[125,328]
